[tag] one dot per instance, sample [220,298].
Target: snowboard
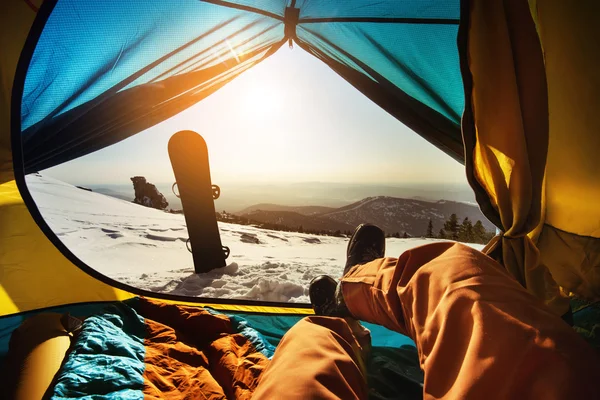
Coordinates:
[189,158]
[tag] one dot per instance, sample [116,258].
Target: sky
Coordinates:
[288,119]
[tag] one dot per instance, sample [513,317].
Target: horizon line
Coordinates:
[266,183]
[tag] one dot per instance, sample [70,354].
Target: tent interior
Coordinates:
[484,83]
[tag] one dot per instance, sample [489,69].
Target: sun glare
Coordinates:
[262,105]
[258,102]
[290,119]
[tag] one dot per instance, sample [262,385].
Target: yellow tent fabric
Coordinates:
[506,145]
[570,239]
[17,18]
[531,140]
[34,273]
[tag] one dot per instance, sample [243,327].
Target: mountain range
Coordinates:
[392,214]
[236,197]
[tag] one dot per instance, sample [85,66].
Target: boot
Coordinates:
[366,244]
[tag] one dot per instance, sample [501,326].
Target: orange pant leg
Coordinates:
[319,358]
[479,334]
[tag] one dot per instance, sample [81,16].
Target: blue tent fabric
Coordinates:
[420,9]
[103,71]
[87,48]
[399,60]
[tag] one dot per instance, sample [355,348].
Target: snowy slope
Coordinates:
[146,248]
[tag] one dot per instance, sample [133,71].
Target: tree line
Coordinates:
[235,219]
[465,232]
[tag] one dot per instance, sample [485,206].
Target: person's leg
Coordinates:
[479,334]
[319,358]
[324,357]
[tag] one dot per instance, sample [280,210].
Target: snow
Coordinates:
[146,248]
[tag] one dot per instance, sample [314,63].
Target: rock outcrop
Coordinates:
[147,194]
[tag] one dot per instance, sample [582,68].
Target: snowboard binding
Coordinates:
[216,191]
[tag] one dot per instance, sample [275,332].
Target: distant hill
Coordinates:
[392,214]
[295,220]
[238,197]
[304,210]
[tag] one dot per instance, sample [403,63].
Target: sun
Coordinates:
[259,102]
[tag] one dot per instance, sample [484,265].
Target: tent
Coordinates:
[498,86]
